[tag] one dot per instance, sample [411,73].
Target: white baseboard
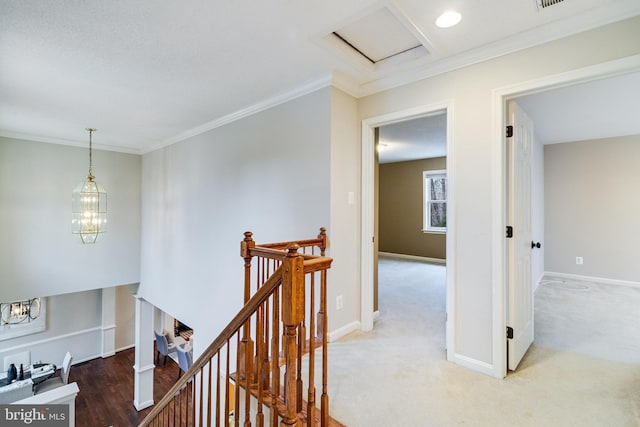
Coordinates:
[126,347]
[345,330]
[603,280]
[144,405]
[474,364]
[413,258]
[376,315]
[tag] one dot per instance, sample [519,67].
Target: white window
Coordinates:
[435,201]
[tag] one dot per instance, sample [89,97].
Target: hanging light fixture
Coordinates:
[12,313]
[89,205]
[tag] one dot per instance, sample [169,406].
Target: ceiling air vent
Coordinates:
[546,3]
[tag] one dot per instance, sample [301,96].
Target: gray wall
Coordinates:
[38,254]
[592,208]
[268,173]
[401,209]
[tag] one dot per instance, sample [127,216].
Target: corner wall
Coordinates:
[592,200]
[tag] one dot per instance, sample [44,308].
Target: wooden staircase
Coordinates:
[252,373]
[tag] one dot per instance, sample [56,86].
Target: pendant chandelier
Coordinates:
[89,205]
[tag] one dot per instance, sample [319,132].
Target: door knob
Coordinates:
[535,245]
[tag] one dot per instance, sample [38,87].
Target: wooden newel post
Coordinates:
[292,314]
[245,350]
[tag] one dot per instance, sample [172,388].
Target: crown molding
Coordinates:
[68,142]
[250,110]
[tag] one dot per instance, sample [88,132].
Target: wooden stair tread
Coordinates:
[267,401]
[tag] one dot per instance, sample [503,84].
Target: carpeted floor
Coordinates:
[397,374]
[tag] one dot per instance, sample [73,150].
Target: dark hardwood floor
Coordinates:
[106,390]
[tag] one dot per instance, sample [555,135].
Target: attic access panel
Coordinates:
[378,36]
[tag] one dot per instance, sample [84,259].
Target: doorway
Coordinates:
[502,261]
[369,232]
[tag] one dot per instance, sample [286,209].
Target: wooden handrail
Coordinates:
[227,333]
[320,241]
[268,331]
[274,254]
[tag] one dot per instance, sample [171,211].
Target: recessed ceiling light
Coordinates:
[448,19]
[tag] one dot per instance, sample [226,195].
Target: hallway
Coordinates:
[397,375]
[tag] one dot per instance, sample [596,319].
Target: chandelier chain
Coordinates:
[91,130]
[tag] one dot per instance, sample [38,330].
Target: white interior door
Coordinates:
[520,288]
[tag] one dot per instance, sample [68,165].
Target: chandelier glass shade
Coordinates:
[89,205]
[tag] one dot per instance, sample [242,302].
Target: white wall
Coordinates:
[74,323]
[38,254]
[268,173]
[592,204]
[125,318]
[345,216]
[471,90]
[39,257]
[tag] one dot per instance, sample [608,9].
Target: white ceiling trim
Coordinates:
[69,142]
[247,111]
[582,75]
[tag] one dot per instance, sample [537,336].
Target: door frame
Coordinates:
[367,213]
[500,97]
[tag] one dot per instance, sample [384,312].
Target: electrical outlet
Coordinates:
[579,260]
[339,303]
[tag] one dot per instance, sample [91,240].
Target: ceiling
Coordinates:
[148,73]
[596,109]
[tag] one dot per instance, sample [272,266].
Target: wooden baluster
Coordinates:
[303,326]
[236,409]
[311,396]
[293,289]
[275,358]
[324,401]
[175,412]
[259,368]
[259,281]
[300,353]
[192,404]
[201,399]
[226,387]
[217,389]
[267,337]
